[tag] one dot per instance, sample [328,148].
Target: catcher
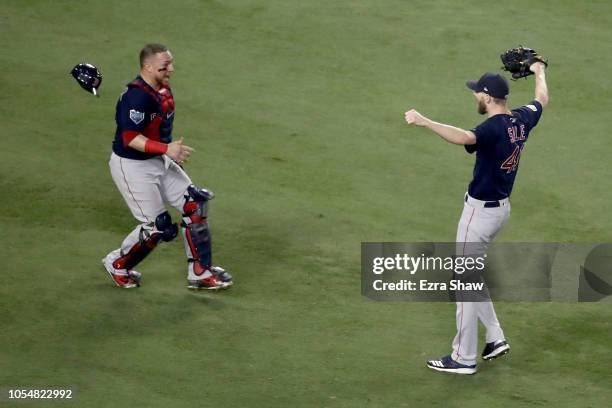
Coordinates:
[146,166]
[498,142]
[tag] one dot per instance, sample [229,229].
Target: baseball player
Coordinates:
[498,143]
[146,166]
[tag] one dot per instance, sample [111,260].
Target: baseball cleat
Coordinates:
[210,283]
[121,277]
[222,275]
[447,364]
[495,349]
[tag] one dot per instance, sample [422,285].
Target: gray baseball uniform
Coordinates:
[499,142]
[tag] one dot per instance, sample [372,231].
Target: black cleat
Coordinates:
[495,349]
[448,365]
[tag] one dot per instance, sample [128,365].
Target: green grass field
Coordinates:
[296,112]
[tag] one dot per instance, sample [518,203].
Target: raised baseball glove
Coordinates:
[518,60]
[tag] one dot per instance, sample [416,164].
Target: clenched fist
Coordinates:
[415,118]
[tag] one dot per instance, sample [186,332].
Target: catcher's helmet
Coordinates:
[88,76]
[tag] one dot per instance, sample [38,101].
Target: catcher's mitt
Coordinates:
[518,60]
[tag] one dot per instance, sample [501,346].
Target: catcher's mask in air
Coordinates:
[88,76]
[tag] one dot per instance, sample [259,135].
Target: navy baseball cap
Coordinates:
[492,84]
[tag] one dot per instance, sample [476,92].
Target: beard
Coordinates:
[163,78]
[482,108]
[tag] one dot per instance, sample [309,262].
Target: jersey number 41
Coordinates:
[511,163]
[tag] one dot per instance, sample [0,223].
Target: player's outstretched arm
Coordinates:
[177,151]
[541,89]
[449,133]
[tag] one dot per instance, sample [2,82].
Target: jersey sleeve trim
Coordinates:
[128,136]
[471,148]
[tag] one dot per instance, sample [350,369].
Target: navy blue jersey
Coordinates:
[143,110]
[499,142]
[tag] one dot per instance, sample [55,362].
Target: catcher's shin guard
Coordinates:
[195,230]
[150,234]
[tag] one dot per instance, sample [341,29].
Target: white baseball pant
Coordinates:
[147,186]
[477,228]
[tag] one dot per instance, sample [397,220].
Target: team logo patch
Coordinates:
[136,116]
[533,108]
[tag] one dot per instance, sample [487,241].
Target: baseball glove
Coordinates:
[518,60]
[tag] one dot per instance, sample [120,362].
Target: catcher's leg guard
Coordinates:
[150,234]
[196,235]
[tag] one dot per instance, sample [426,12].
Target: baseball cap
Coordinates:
[492,84]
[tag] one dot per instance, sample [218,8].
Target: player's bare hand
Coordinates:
[537,67]
[415,118]
[178,151]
